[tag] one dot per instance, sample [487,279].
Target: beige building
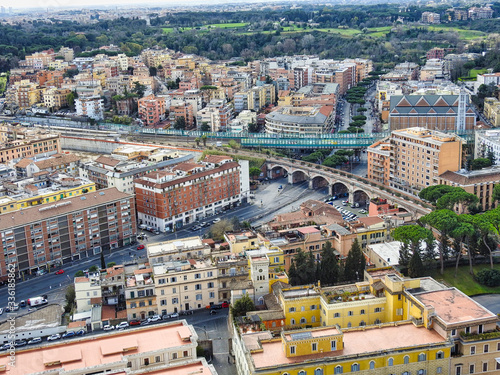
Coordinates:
[140,292]
[419,156]
[87,292]
[379,161]
[492,110]
[54,98]
[183,285]
[185,248]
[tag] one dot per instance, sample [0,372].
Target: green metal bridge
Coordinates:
[257,140]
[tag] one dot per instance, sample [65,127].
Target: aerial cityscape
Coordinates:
[249,187]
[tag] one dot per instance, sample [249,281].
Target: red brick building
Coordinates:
[165,199]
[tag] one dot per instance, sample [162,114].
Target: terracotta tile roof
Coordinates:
[485,175]
[23,163]
[186,167]
[107,160]
[56,160]
[368,221]
[215,159]
[81,279]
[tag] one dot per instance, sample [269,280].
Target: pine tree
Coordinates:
[416,267]
[328,268]
[355,263]
[292,273]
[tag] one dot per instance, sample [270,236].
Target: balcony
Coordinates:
[466,337]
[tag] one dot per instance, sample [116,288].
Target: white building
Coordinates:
[92,107]
[87,292]
[486,141]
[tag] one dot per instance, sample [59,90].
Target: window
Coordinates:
[350,313]
[197,275]
[338,370]
[439,370]
[453,332]
[318,371]
[439,355]
[467,329]
[458,370]
[421,372]
[378,309]
[292,349]
[302,372]
[197,287]
[157,358]
[292,321]
[146,361]
[406,373]
[372,365]
[314,346]
[336,315]
[333,345]
[498,346]
[362,312]
[480,328]
[303,320]
[486,348]
[291,309]
[355,367]
[471,369]
[472,350]
[498,365]
[406,360]
[174,355]
[210,285]
[421,357]
[485,366]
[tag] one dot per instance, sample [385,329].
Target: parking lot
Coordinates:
[348,211]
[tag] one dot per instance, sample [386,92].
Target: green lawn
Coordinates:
[464,281]
[346,32]
[474,72]
[234,25]
[167,30]
[464,34]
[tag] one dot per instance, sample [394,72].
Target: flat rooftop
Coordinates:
[200,367]
[360,342]
[98,350]
[452,306]
[174,246]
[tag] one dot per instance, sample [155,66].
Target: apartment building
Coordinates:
[419,156]
[186,284]
[312,120]
[232,274]
[492,110]
[434,112]
[379,161]
[185,110]
[186,248]
[62,163]
[140,294]
[165,199]
[91,106]
[54,98]
[87,292]
[476,13]
[431,17]
[435,53]
[29,146]
[162,349]
[480,183]
[74,228]
[217,114]
[151,110]
[67,53]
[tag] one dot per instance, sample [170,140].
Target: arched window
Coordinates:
[302,372]
[390,362]
[349,325]
[406,359]
[372,365]
[355,367]
[377,321]
[406,373]
[421,357]
[362,324]
[318,371]
[313,319]
[338,370]
[439,355]
[362,312]
[421,372]
[292,321]
[303,320]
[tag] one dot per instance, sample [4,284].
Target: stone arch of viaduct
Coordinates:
[318,178]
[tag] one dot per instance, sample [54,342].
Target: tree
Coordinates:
[110,264]
[153,71]
[354,263]
[139,89]
[197,140]
[217,230]
[480,163]
[103,263]
[496,193]
[180,123]
[70,298]
[253,127]
[416,267]
[462,198]
[242,306]
[292,273]
[204,139]
[328,268]
[304,268]
[79,273]
[335,160]
[412,238]
[464,229]
[254,172]
[71,99]
[93,268]
[205,127]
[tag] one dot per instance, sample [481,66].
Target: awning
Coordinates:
[497,359]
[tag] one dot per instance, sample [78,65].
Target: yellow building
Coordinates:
[301,306]
[42,196]
[492,110]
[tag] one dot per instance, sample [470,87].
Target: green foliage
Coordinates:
[242,306]
[70,298]
[234,145]
[334,161]
[328,271]
[303,270]
[93,268]
[139,89]
[496,193]
[480,163]
[180,123]
[79,273]
[253,128]
[415,266]
[70,73]
[315,157]
[217,230]
[359,118]
[489,277]
[355,263]
[411,237]
[254,172]
[208,87]
[111,264]
[205,127]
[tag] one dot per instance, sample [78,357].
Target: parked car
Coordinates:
[154,318]
[36,340]
[145,322]
[122,325]
[59,272]
[81,332]
[1,310]
[67,335]
[174,315]
[344,203]
[135,323]
[225,305]
[217,306]
[55,336]
[108,327]
[19,343]
[140,247]
[5,347]
[187,312]
[22,303]
[216,220]
[213,312]
[165,316]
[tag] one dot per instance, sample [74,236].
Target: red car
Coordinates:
[225,305]
[135,323]
[59,272]
[140,247]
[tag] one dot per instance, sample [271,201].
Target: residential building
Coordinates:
[151,110]
[185,285]
[117,171]
[140,295]
[165,199]
[488,142]
[23,94]
[87,292]
[300,120]
[419,156]
[379,161]
[476,13]
[54,98]
[29,146]
[168,251]
[185,110]
[431,17]
[488,79]
[432,70]
[217,114]
[92,107]
[67,53]
[370,230]
[492,110]
[232,274]
[480,183]
[112,281]
[433,112]
[402,72]
[72,229]
[384,254]
[162,349]
[63,163]
[435,53]
[40,60]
